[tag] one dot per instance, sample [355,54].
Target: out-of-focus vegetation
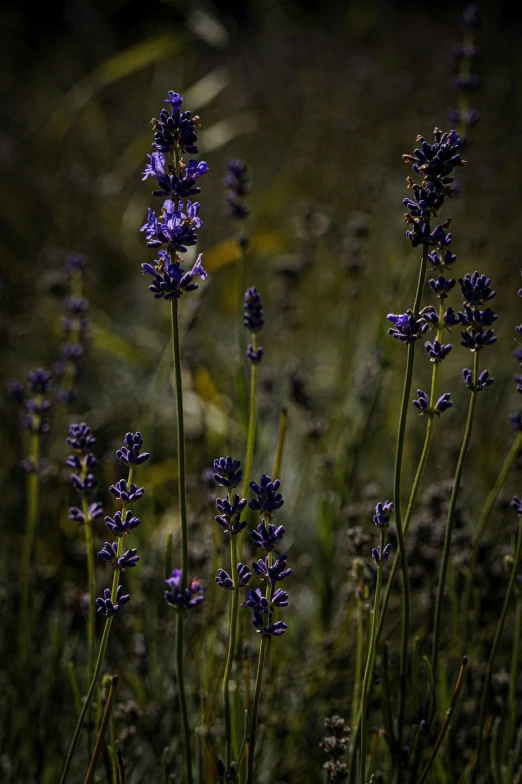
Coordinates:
[320,102]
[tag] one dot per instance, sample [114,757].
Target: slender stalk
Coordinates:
[255,709]
[31,522]
[447,720]
[484,701]
[101,655]
[91,617]
[370,660]
[184,536]
[121,769]
[403,668]
[234,605]
[482,522]
[515,659]
[450,518]
[283,418]
[251,434]
[103,729]
[356,699]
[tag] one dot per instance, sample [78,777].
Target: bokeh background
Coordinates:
[320,100]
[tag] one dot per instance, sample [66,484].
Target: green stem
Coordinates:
[358,662]
[255,709]
[450,518]
[103,729]
[32,513]
[482,522]
[251,435]
[403,667]
[234,605]
[91,618]
[484,702]
[184,536]
[370,662]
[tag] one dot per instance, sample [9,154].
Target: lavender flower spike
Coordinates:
[227,472]
[105,605]
[382,514]
[267,537]
[268,500]
[191,597]
[376,553]
[407,328]
[130,453]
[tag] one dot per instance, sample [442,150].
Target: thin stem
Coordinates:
[255,709]
[184,536]
[251,434]
[32,513]
[484,702]
[447,720]
[403,668]
[234,605]
[370,662]
[358,662]
[450,518]
[283,418]
[515,658]
[483,519]
[91,616]
[103,729]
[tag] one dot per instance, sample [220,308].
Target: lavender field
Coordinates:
[262,366]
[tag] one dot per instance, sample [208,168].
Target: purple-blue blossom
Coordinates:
[229,517]
[183,600]
[105,605]
[476,289]
[516,504]
[227,472]
[171,280]
[437,351]
[268,500]
[383,512]
[236,186]
[441,286]
[275,573]
[130,453]
[125,493]
[483,382]
[94,512]
[175,129]
[253,316]
[267,536]
[440,261]
[118,526]
[376,553]
[408,329]
[80,437]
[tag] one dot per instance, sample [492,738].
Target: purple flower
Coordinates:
[224,580]
[171,280]
[39,381]
[475,340]
[408,329]
[236,187]
[80,437]
[382,514]
[128,559]
[84,484]
[108,552]
[441,286]
[130,453]
[476,289]
[275,573]
[229,517]
[181,600]
[421,233]
[515,420]
[443,403]
[267,536]
[94,511]
[376,553]
[422,402]
[436,161]
[118,526]
[227,472]
[124,493]
[484,380]
[254,355]
[474,317]
[75,262]
[243,574]
[516,504]
[253,316]
[105,605]
[175,129]
[437,351]
[268,500]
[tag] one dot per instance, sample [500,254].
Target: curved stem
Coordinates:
[103,729]
[450,518]
[91,617]
[484,702]
[234,605]
[483,519]
[184,536]
[370,662]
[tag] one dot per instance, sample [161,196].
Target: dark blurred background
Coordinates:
[320,99]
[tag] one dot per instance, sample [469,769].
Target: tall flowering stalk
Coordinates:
[74,327]
[477,333]
[253,319]
[463,115]
[380,556]
[433,163]
[34,409]
[171,234]
[266,536]
[113,599]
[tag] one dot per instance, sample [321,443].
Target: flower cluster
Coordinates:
[74,328]
[335,747]
[423,403]
[407,329]
[434,163]
[82,462]
[515,419]
[183,598]
[34,406]
[236,186]
[253,319]
[173,231]
[477,332]
[266,537]
[228,474]
[122,523]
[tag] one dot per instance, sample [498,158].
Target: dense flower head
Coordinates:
[33,408]
[130,453]
[229,517]
[39,381]
[408,329]
[171,280]
[476,289]
[436,161]
[84,483]
[483,382]
[275,573]
[236,185]
[441,286]
[80,437]
[179,599]
[383,512]
[243,574]
[421,233]
[105,605]
[94,512]
[515,420]
[109,554]
[126,493]
[376,553]
[173,231]
[175,128]
[268,500]
[75,262]
[437,351]
[119,526]
[227,472]
[423,403]
[441,261]
[472,317]
[267,536]
[173,185]
[253,316]
[476,340]
[224,580]
[255,355]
